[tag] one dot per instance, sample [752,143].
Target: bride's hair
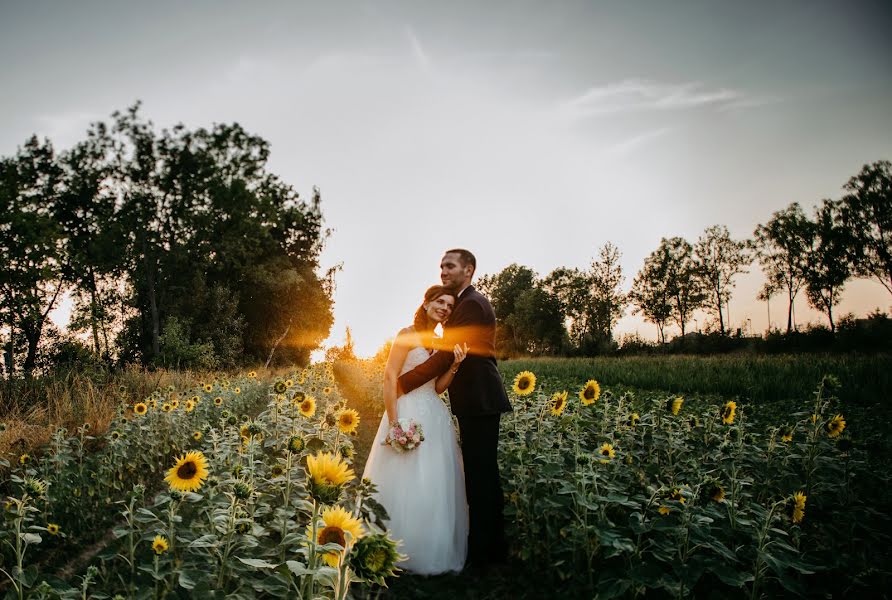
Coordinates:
[422,322]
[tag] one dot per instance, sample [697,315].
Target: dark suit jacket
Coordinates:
[477,389]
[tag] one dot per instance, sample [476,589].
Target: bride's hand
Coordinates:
[461,352]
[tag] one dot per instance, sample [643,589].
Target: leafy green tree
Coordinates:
[650,294]
[782,246]
[572,289]
[719,259]
[866,213]
[686,291]
[827,259]
[608,301]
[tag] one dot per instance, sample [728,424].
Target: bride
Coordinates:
[423,489]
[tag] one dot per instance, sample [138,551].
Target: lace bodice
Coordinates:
[415,357]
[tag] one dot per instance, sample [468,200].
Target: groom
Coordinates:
[478,399]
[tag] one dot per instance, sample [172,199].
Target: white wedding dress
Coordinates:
[423,490]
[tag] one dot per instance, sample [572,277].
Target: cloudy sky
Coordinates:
[528,132]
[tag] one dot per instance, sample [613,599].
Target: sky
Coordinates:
[527,132]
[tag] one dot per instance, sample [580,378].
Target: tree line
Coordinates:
[178,247]
[575,311]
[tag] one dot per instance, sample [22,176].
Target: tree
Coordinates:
[684,286]
[866,213]
[827,259]
[32,275]
[608,302]
[782,246]
[572,289]
[650,293]
[719,259]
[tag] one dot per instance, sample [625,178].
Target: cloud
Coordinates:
[631,95]
[633,143]
[418,52]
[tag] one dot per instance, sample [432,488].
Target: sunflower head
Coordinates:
[279,387]
[208,387]
[590,392]
[606,453]
[52,529]
[242,489]
[327,476]
[728,412]
[277,470]
[678,494]
[835,426]
[190,405]
[326,390]
[197,435]
[160,545]
[634,419]
[374,558]
[674,405]
[218,401]
[24,459]
[188,472]
[796,507]
[664,510]
[296,444]
[786,433]
[166,407]
[35,486]
[237,390]
[558,403]
[336,524]
[348,420]
[297,397]
[712,490]
[307,406]
[252,374]
[140,408]
[524,383]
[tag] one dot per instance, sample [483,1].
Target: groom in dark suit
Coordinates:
[478,399]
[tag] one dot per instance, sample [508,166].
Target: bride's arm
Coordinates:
[395,360]
[445,379]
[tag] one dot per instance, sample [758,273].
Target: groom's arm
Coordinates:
[466,316]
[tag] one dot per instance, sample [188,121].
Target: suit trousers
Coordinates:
[479,445]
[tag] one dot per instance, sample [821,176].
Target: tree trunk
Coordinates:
[790,311]
[92,284]
[276,345]
[153,305]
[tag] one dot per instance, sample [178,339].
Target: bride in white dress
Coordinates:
[423,489]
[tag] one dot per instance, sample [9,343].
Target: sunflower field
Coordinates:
[231,488]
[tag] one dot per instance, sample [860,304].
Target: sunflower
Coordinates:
[208,387]
[664,510]
[307,407]
[797,507]
[237,390]
[717,493]
[289,382]
[280,387]
[328,473]
[218,401]
[297,397]
[252,374]
[728,412]
[694,422]
[24,458]
[277,470]
[348,420]
[373,558]
[196,435]
[558,403]
[326,390]
[524,383]
[52,529]
[634,419]
[175,404]
[35,486]
[190,405]
[674,405]
[296,444]
[140,408]
[677,496]
[116,435]
[835,426]
[160,545]
[786,433]
[166,407]
[337,522]
[607,453]
[590,392]
[188,473]
[153,403]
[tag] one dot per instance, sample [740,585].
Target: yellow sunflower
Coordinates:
[590,392]
[52,529]
[188,473]
[289,383]
[160,545]
[237,390]
[786,434]
[336,523]
[558,403]
[326,390]
[166,407]
[348,420]
[24,458]
[252,374]
[674,405]
[307,406]
[524,383]
[174,404]
[190,405]
[140,408]
[328,470]
[634,419]
[797,507]
[218,401]
[835,426]
[208,387]
[607,453]
[196,435]
[728,412]
[664,510]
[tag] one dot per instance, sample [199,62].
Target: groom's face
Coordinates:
[453,273]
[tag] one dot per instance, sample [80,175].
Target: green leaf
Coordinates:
[258,563]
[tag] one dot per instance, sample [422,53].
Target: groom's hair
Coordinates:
[465,258]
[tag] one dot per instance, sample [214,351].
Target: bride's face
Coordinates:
[439,310]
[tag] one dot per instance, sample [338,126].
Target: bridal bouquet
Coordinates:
[404,435]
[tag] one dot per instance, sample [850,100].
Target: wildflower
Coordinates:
[52,529]
[797,507]
[558,403]
[346,451]
[307,407]
[337,523]
[634,419]
[160,545]
[328,474]
[374,557]
[153,403]
[607,453]
[728,412]
[524,383]
[188,473]
[140,408]
[713,490]
[674,405]
[218,401]
[835,426]
[197,435]
[348,420]
[590,392]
